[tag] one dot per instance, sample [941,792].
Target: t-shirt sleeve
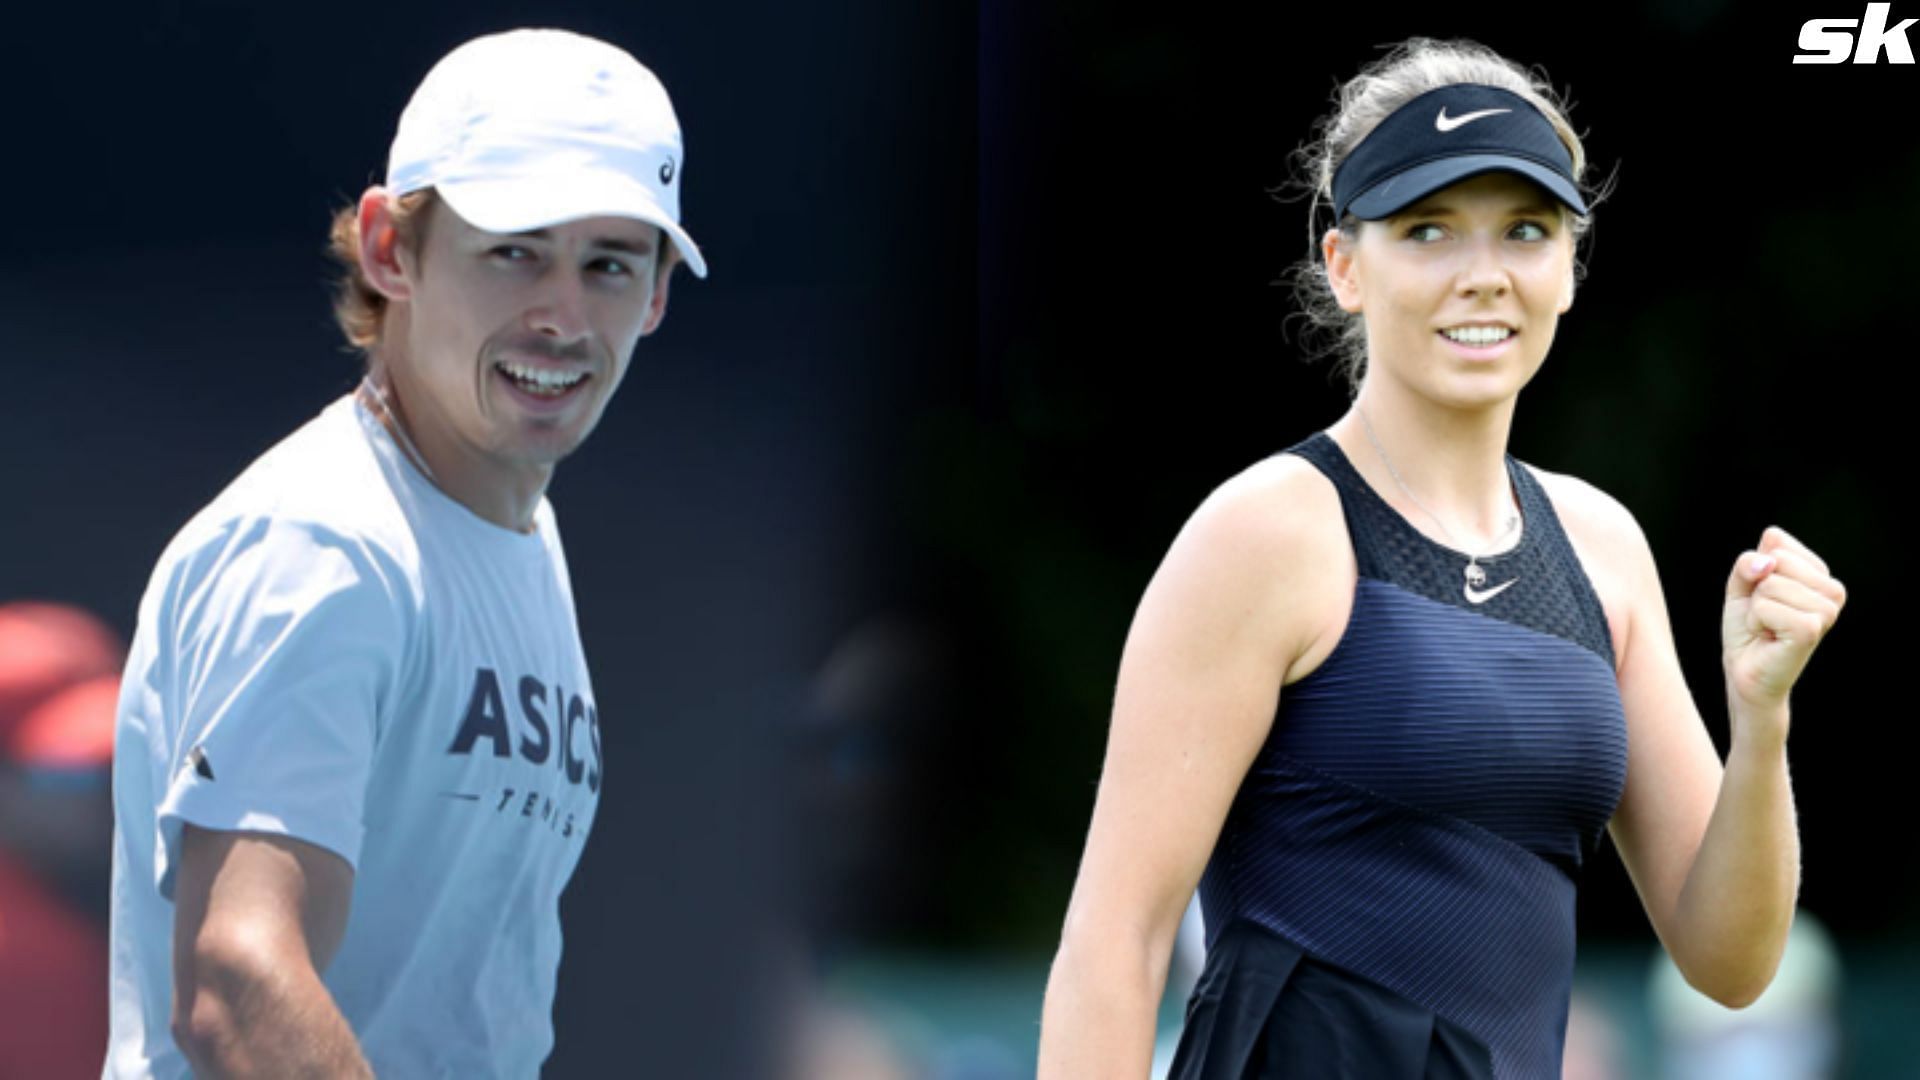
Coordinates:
[288,639]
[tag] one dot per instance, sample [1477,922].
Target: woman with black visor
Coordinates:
[1471,656]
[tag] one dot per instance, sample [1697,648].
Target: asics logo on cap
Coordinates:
[666,171]
[1443,122]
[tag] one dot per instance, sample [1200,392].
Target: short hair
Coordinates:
[1412,68]
[358,307]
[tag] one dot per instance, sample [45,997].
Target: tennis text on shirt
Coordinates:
[553,726]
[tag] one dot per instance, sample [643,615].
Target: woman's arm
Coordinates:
[1712,849]
[1241,602]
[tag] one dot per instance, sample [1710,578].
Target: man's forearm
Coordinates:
[267,1022]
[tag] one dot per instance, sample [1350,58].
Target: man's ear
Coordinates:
[380,249]
[1342,269]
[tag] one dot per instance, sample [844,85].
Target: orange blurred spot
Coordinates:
[46,648]
[73,729]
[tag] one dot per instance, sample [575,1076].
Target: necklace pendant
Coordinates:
[1476,577]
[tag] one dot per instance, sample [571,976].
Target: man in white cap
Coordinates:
[358,753]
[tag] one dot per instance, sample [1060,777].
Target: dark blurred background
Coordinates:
[171,169]
[1738,355]
[994,305]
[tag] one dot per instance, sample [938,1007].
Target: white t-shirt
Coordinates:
[335,650]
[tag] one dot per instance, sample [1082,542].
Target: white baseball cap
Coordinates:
[531,128]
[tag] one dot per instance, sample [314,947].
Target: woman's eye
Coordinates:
[611,266]
[1529,230]
[1426,233]
[511,253]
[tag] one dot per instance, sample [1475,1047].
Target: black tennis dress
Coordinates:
[1392,894]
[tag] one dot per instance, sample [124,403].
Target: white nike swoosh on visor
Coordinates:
[1474,597]
[1443,122]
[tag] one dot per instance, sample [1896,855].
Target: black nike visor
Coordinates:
[1445,136]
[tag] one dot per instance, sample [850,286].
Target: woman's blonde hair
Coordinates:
[1410,69]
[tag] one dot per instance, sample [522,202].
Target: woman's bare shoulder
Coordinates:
[1279,507]
[1611,547]
[1274,536]
[1594,518]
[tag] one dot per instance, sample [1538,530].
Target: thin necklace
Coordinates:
[375,398]
[1476,577]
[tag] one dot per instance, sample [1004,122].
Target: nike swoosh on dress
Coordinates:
[1474,596]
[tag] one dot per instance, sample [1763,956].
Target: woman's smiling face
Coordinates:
[1460,291]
